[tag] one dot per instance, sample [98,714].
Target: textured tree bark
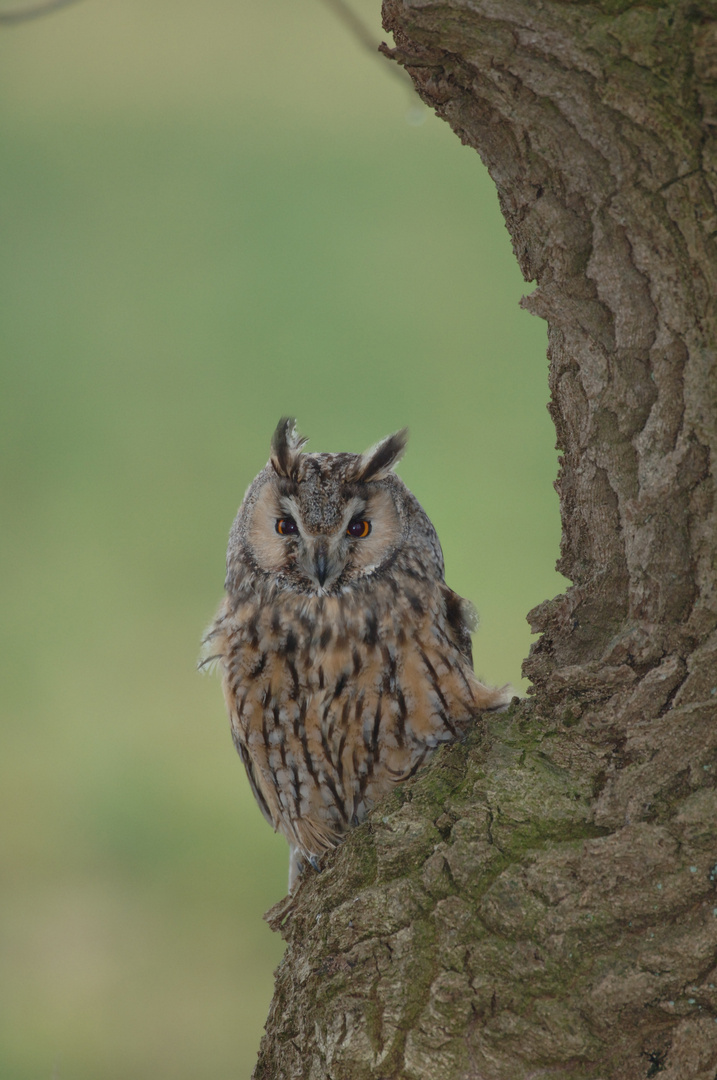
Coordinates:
[542,901]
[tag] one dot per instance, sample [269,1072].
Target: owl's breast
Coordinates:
[335,701]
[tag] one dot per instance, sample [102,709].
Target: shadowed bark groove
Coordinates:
[542,901]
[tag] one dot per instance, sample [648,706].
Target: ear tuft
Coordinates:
[380,459]
[286,446]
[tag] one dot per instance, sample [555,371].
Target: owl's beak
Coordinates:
[321,562]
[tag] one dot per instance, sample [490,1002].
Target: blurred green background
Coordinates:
[212,214]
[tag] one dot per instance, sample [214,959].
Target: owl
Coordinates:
[345,658]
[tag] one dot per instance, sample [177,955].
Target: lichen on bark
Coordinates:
[542,900]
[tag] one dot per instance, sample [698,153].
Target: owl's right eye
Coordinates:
[286,527]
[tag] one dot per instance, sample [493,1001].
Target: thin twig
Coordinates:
[364,35]
[19,15]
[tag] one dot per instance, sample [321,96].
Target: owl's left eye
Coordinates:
[286,527]
[358,528]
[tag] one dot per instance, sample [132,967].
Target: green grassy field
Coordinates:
[212,215]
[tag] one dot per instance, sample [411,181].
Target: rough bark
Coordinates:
[542,901]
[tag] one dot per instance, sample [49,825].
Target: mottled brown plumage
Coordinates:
[346,660]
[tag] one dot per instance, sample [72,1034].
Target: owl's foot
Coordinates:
[298,862]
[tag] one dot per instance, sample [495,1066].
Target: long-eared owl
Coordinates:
[346,659]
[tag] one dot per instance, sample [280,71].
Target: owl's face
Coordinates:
[318,523]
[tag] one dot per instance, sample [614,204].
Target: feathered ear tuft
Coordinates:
[380,459]
[286,446]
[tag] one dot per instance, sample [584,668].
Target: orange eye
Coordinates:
[286,527]
[359,528]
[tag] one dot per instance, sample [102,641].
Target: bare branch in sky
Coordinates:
[364,35]
[19,15]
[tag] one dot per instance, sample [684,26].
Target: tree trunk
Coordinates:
[541,901]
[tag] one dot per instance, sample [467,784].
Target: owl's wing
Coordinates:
[461,618]
[253,784]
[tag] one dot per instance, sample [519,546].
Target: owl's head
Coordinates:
[318,523]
